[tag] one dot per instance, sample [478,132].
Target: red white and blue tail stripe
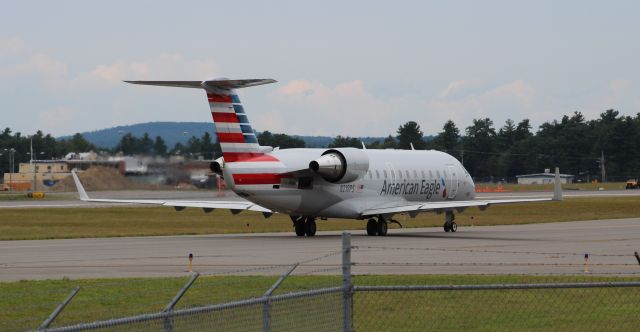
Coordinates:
[236,136]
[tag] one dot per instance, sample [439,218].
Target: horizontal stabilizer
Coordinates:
[222,83]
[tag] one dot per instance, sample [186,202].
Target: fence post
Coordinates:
[266,307]
[58,310]
[347,303]
[168,325]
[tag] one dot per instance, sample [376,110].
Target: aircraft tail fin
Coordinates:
[233,130]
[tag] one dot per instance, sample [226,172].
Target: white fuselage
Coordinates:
[286,185]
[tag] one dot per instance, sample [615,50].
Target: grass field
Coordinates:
[48,197]
[18,224]
[27,303]
[549,187]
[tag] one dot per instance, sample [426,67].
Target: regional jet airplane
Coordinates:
[308,184]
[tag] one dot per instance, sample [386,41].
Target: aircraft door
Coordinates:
[452,187]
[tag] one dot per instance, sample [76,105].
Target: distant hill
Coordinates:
[174,132]
[171,132]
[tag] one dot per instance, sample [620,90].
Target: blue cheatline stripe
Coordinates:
[246,129]
[238,108]
[235,99]
[242,118]
[250,138]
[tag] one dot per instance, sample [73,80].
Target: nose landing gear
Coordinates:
[449,223]
[304,225]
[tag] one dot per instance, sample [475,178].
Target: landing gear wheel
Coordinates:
[300,227]
[310,227]
[372,227]
[382,228]
[449,223]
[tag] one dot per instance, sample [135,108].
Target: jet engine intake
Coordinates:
[341,165]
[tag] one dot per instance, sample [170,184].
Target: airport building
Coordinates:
[544,178]
[39,175]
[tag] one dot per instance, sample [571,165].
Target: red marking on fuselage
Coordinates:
[230,157]
[256,178]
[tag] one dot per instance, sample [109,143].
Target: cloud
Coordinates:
[348,108]
[11,46]
[163,66]
[71,100]
[39,64]
[39,68]
[515,100]
[52,120]
[311,107]
[457,88]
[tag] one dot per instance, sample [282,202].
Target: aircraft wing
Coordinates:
[416,207]
[234,206]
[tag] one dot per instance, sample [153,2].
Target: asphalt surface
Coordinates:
[71,201]
[553,248]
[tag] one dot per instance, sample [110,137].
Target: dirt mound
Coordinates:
[100,178]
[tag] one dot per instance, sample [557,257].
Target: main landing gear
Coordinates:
[449,223]
[377,227]
[304,225]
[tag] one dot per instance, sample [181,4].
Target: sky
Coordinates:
[356,68]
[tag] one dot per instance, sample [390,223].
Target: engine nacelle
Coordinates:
[341,165]
[217,165]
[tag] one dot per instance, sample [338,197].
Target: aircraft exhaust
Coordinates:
[330,166]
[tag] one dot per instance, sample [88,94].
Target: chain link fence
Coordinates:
[499,307]
[337,299]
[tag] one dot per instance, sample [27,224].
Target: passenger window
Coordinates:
[438,174]
[430,174]
[415,174]
[399,174]
[377,174]
[385,173]
[423,176]
[407,174]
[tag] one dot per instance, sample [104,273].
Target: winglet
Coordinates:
[557,186]
[81,192]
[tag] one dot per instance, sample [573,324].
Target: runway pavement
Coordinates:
[553,248]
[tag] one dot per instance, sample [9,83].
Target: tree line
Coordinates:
[574,144]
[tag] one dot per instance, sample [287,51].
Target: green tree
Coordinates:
[478,145]
[283,141]
[145,145]
[448,139]
[159,147]
[389,143]
[410,133]
[343,142]
[128,144]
